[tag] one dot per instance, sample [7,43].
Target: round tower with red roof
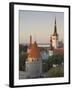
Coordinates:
[34,62]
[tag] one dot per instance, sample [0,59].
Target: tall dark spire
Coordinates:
[55,20]
[55,29]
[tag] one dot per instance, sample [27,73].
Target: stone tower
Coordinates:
[34,62]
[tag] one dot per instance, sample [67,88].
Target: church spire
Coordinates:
[55,20]
[55,29]
[30,40]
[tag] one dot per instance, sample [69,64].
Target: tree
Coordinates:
[22,48]
[22,59]
[55,59]
[22,56]
[56,72]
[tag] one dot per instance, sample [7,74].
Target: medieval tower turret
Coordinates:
[34,61]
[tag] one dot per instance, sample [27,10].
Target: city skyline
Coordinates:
[39,24]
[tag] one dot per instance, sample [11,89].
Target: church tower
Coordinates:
[30,44]
[55,37]
[30,40]
[51,47]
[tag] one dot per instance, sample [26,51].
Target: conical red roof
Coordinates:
[34,51]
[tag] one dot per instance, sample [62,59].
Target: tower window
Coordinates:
[32,59]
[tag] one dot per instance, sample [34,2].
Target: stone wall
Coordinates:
[34,69]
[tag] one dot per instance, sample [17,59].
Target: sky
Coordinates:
[39,24]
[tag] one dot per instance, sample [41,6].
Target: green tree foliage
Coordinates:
[56,72]
[22,57]
[44,66]
[22,48]
[54,59]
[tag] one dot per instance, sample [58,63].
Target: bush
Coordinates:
[22,59]
[54,59]
[56,72]
[22,48]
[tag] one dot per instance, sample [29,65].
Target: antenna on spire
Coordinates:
[55,20]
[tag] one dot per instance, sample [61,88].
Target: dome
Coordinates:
[34,51]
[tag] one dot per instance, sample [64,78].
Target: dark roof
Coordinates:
[59,51]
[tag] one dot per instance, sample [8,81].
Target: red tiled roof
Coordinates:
[59,51]
[34,51]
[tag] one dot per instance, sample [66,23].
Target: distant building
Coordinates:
[61,44]
[55,48]
[34,61]
[44,55]
[59,51]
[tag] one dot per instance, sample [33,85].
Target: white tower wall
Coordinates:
[34,68]
[55,41]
